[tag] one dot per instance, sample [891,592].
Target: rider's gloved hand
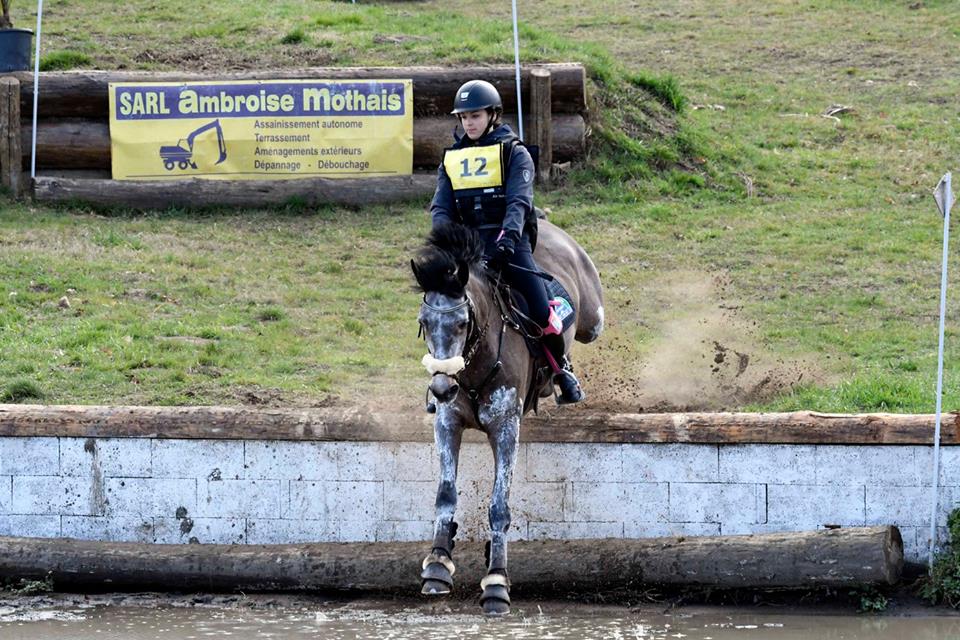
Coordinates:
[501,257]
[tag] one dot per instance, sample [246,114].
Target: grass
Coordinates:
[64,60]
[716,197]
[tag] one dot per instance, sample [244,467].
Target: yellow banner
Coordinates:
[261,130]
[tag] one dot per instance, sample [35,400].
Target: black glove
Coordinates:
[501,257]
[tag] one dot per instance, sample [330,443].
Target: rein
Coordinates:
[474,340]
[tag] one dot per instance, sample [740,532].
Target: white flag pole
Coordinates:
[944,198]
[516,62]
[36,93]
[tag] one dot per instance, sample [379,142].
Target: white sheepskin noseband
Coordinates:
[449,366]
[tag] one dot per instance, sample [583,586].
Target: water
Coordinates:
[413,619]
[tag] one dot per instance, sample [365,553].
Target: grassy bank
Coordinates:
[755,253]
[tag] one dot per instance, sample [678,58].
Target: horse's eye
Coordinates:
[461,325]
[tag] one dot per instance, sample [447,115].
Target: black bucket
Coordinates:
[15,49]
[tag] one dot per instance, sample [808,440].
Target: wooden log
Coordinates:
[827,558]
[85,144]
[198,193]
[10,152]
[83,94]
[541,131]
[365,424]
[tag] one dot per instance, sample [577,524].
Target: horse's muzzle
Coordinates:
[443,387]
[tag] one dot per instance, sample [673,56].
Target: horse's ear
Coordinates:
[416,272]
[463,272]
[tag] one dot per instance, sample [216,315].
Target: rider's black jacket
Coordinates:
[509,207]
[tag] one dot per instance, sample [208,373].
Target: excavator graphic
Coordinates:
[181,154]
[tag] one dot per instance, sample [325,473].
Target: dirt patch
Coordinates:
[703,355]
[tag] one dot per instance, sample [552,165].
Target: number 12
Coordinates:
[480,170]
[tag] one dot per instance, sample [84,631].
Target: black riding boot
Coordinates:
[570,390]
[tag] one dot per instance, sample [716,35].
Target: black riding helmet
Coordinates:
[477,95]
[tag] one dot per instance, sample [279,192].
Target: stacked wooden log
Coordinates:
[827,558]
[73,134]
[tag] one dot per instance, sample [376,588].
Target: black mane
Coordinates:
[443,264]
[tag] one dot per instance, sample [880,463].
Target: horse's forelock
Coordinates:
[437,270]
[461,242]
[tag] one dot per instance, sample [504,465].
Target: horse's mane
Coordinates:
[443,263]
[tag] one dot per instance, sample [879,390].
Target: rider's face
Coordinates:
[475,123]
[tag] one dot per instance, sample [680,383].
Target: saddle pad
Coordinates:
[566,310]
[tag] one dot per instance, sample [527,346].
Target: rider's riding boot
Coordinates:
[570,390]
[431,405]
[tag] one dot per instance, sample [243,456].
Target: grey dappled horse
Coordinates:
[467,337]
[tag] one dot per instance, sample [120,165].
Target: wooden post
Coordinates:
[541,131]
[11,163]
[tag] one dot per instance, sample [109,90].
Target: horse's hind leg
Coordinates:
[504,438]
[438,567]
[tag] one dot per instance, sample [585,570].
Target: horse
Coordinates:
[485,377]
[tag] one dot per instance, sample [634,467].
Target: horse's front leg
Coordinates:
[438,567]
[502,422]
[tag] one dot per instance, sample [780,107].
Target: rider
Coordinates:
[486,182]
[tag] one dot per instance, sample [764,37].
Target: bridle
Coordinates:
[473,342]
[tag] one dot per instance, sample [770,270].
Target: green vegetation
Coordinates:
[943,584]
[722,202]
[63,60]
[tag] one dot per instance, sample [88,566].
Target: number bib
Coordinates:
[474,168]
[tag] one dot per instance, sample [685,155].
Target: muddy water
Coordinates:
[79,620]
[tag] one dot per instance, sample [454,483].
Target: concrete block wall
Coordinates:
[246,491]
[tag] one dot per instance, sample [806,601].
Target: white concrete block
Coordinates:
[52,495]
[574,530]
[350,530]
[476,463]
[906,505]
[276,531]
[868,465]
[29,456]
[670,463]
[238,498]
[308,501]
[289,460]
[403,500]
[808,506]
[538,501]
[767,464]
[409,531]
[30,526]
[669,529]
[707,502]
[356,501]
[743,528]
[949,465]
[646,502]
[362,461]
[336,501]
[203,530]
[596,502]
[916,542]
[411,462]
[116,529]
[149,497]
[6,494]
[559,462]
[113,457]
[202,459]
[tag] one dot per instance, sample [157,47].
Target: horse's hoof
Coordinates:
[495,598]
[495,607]
[437,575]
[435,588]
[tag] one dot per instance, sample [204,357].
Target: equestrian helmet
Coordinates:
[477,95]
